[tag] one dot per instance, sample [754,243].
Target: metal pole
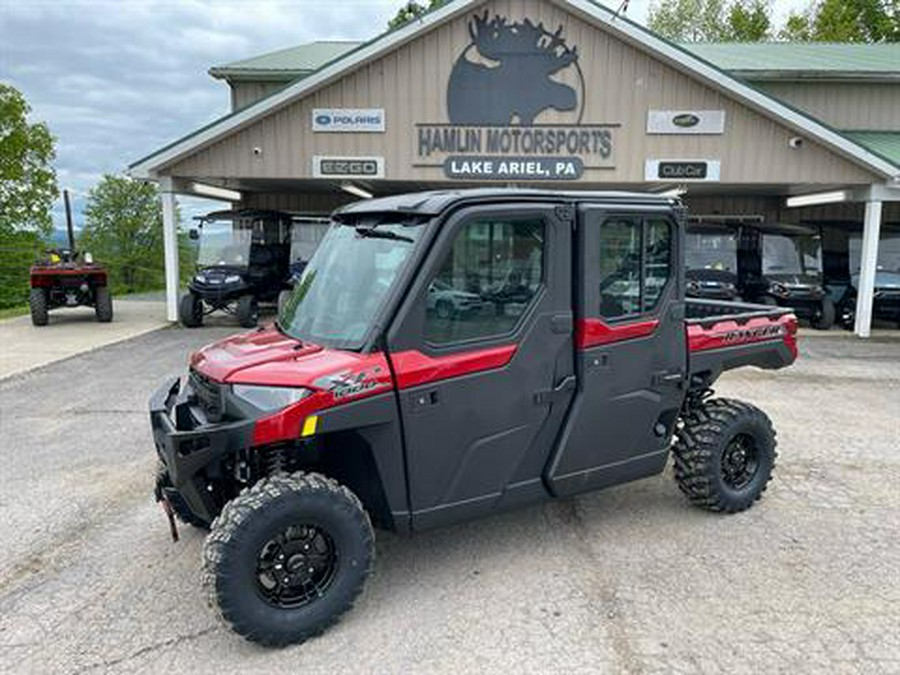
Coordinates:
[170,246]
[865,296]
[69,226]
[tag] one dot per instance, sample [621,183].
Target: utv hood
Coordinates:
[796,280]
[271,358]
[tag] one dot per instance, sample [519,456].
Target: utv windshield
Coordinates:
[888,252]
[711,250]
[346,283]
[791,255]
[221,244]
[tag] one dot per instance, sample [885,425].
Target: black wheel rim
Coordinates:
[740,461]
[296,566]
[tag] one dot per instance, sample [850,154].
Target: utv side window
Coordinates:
[488,280]
[635,264]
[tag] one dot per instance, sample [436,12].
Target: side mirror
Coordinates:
[88,258]
[193,234]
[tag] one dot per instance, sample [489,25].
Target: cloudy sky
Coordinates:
[116,79]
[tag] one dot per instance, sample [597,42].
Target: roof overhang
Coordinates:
[626,30]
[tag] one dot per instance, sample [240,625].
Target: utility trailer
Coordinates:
[364,404]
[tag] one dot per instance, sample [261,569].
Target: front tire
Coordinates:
[190,310]
[37,302]
[287,557]
[247,311]
[824,320]
[724,455]
[103,306]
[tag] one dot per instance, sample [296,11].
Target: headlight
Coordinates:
[232,279]
[199,278]
[269,399]
[778,289]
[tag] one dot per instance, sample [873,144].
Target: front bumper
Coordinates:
[192,448]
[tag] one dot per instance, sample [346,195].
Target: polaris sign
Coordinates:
[346,120]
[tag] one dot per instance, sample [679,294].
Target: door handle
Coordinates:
[546,396]
[670,377]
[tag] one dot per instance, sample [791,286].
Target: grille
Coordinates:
[209,395]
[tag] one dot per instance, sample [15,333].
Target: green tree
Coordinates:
[27,190]
[845,21]
[123,229]
[749,21]
[712,20]
[413,10]
[27,179]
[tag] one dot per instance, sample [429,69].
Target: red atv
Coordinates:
[67,279]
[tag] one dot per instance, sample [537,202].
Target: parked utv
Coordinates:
[306,233]
[365,404]
[68,278]
[711,261]
[887,279]
[787,271]
[243,260]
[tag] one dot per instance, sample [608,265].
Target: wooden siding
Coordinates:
[622,84]
[843,105]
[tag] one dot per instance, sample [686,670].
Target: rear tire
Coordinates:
[247,311]
[190,310]
[724,455]
[103,306]
[306,527]
[37,301]
[825,319]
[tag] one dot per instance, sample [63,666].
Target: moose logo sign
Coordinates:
[515,101]
[505,74]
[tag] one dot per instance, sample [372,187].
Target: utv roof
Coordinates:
[242,213]
[435,202]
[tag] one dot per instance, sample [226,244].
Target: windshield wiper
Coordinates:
[372,233]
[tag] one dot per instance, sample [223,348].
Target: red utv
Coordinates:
[67,278]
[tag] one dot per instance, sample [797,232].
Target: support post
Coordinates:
[170,246]
[865,297]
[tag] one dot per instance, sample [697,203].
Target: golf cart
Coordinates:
[887,278]
[711,261]
[68,278]
[243,260]
[784,268]
[306,233]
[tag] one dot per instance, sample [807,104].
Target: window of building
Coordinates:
[487,282]
[635,265]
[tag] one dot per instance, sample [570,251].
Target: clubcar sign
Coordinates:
[505,82]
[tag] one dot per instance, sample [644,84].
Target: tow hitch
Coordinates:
[170,514]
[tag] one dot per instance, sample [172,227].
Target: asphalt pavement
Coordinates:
[630,579]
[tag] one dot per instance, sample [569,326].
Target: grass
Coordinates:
[10,312]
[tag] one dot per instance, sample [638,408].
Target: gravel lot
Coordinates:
[627,580]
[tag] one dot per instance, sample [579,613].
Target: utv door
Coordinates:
[630,356]
[482,353]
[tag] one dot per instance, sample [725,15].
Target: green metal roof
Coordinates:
[883,143]
[761,59]
[818,59]
[287,63]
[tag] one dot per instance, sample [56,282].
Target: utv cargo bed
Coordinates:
[722,335]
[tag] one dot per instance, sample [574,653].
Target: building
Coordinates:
[556,93]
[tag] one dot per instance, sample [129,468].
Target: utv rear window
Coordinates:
[635,264]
